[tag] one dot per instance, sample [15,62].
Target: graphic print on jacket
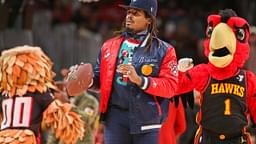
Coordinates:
[125,57]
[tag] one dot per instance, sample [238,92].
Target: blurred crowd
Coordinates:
[72,31]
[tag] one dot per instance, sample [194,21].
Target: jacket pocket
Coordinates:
[145,109]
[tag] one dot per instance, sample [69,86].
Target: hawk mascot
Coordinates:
[228,91]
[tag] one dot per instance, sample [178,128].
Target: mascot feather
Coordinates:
[228,91]
[26,85]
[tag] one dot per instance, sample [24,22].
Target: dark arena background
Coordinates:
[72,31]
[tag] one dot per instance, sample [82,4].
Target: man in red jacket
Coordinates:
[136,73]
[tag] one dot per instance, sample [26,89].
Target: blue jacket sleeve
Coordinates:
[96,70]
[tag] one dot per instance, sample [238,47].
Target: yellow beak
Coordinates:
[222,38]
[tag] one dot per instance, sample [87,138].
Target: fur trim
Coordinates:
[15,136]
[67,125]
[25,69]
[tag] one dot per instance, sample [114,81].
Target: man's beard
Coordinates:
[128,29]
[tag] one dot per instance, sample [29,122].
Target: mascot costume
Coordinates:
[26,86]
[174,125]
[228,91]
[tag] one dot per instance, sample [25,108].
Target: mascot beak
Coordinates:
[222,46]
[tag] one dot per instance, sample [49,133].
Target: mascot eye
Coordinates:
[240,34]
[209,31]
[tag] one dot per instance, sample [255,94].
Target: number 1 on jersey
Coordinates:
[227,107]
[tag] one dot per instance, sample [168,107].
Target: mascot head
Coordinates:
[25,69]
[227,40]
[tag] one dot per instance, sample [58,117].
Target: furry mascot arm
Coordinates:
[251,98]
[190,78]
[66,124]
[195,78]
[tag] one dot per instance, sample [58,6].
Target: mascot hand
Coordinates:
[185,64]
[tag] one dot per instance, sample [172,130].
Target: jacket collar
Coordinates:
[141,36]
[137,36]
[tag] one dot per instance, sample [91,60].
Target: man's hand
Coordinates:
[62,96]
[129,70]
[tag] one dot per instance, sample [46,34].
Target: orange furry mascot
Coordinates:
[26,85]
